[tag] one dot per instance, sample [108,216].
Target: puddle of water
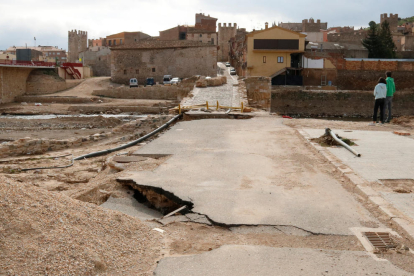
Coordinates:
[52,116]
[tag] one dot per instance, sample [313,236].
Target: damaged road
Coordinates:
[254,172]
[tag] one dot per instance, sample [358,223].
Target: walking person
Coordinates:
[380,92]
[390,94]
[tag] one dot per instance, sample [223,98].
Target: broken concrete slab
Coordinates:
[260,260]
[173,219]
[197,218]
[131,207]
[250,172]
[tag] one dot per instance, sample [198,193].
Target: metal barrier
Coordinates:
[217,107]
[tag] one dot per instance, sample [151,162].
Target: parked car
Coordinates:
[150,81]
[233,71]
[167,79]
[175,81]
[228,64]
[208,77]
[133,82]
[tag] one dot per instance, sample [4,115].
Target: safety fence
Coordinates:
[182,108]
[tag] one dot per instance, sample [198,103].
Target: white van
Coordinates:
[167,79]
[133,82]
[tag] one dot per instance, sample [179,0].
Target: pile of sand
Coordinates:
[47,233]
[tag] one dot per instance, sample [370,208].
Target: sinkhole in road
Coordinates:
[157,198]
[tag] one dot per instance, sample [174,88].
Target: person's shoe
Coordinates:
[371,124]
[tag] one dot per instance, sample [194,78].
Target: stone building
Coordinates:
[225,34]
[98,58]
[77,42]
[238,52]
[97,42]
[306,26]
[355,37]
[204,31]
[205,22]
[392,20]
[98,54]
[204,36]
[125,38]
[175,33]
[154,58]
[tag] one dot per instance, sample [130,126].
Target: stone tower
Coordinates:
[77,42]
[225,33]
[392,20]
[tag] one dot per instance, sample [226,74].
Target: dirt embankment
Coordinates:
[44,233]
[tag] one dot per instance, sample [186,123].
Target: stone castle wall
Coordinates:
[77,42]
[392,20]
[12,83]
[225,33]
[178,62]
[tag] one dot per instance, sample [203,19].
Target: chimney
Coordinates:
[266,26]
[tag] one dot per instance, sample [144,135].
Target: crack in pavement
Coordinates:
[190,205]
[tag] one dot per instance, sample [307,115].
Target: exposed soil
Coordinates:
[328,141]
[44,233]
[59,128]
[405,121]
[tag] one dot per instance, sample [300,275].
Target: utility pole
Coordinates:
[35,41]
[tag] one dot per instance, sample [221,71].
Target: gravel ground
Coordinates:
[46,233]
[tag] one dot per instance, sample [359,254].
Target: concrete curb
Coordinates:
[362,187]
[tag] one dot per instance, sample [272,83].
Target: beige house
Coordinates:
[274,51]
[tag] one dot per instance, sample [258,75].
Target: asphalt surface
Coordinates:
[258,260]
[251,172]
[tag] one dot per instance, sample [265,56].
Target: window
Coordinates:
[137,71]
[120,42]
[280,60]
[264,59]
[276,44]
[96,44]
[212,41]
[114,42]
[135,39]
[153,69]
[110,42]
[125,72]
[201,35]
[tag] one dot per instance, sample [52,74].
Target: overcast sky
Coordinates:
[49,21]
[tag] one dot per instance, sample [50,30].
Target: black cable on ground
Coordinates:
[133,143]
[55,167]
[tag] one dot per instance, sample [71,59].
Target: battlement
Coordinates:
[392,16]
[392,20]
[79,33]
[227,26]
